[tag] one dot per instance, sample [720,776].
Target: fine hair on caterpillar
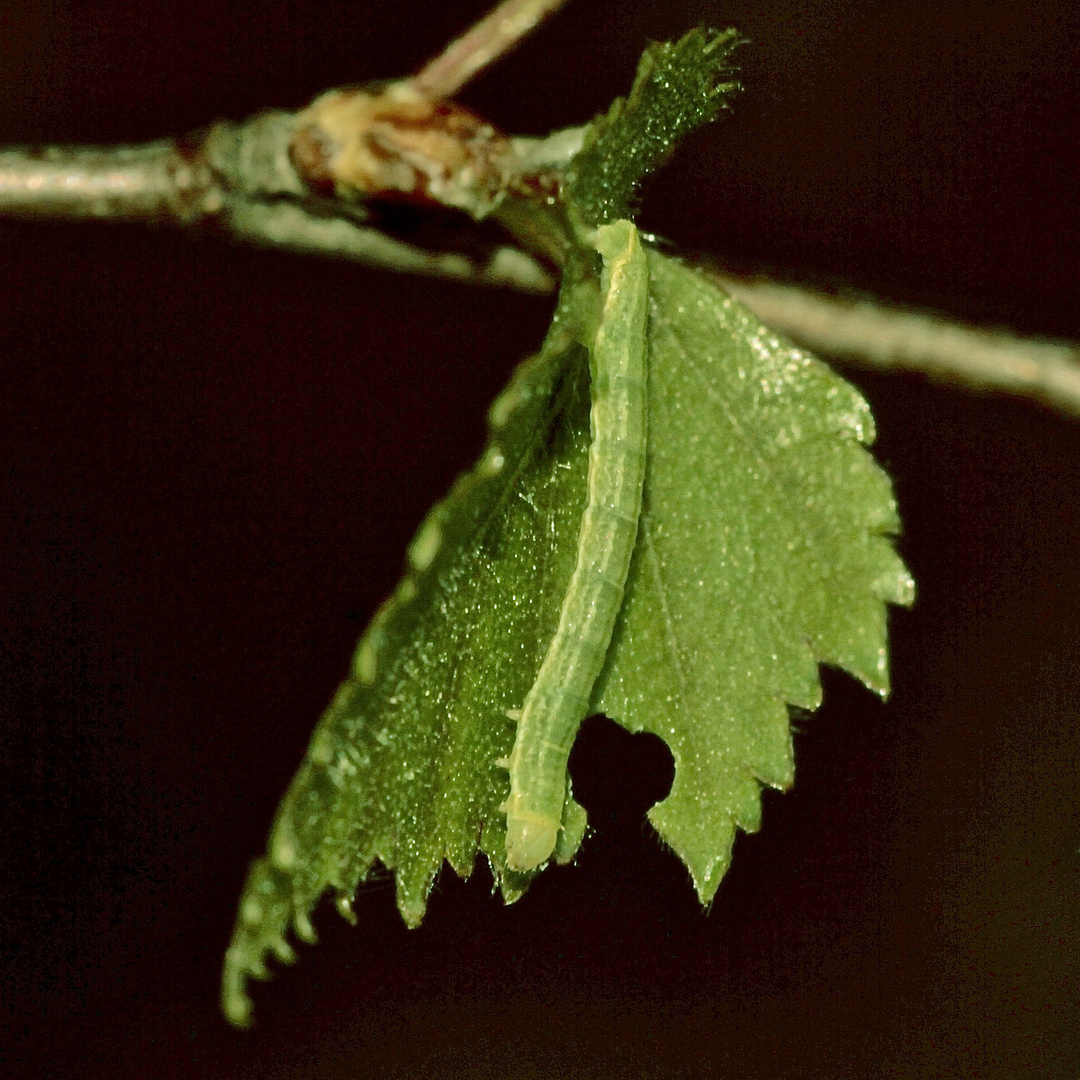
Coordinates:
[558,700]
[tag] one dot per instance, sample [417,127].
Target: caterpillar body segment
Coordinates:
[558,700]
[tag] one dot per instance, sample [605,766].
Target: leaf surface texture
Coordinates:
[763,549]
[402,767]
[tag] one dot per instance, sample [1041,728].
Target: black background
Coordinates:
[213,457]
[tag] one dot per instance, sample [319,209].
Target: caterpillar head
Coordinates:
[530,839]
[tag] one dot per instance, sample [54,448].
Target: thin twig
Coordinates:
[867,335]
[146,182]
[183,181]
[290,227]
[492,37]
[245,177]
[241,178]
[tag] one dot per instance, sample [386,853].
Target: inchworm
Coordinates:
[556,704]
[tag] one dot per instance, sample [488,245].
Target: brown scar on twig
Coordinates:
[397,143]
[407,140]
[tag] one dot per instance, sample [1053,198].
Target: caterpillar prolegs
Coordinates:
[557,702]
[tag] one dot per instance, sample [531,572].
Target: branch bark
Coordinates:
[256,180]
[869,335]
[492,37]
[242,179]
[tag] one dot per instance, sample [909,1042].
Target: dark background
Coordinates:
[213,457]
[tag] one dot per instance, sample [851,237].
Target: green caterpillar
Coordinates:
[558,701]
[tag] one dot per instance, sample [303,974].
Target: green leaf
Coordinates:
[402,767]
[679,86]
[762,550]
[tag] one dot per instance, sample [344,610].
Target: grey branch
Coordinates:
[492,37]
[267,180]
[249,179]
[242,178]
[185,181]
[870,335]
[168,180]
[292,228]
[145,182]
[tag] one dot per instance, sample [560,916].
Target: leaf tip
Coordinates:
[679,86]
[703,844]
[235,1001]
